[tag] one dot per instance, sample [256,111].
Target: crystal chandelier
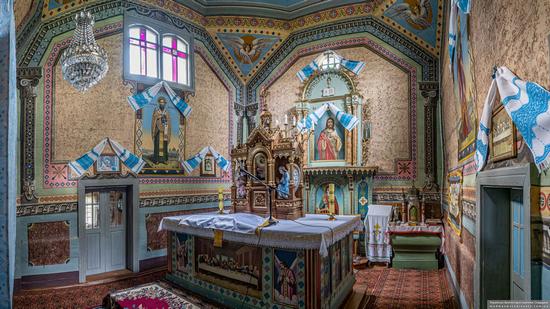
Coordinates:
[84,63]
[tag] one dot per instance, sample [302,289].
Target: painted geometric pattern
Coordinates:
[247,50]
[48,243]
[419,19]
[267,280]
[52,8]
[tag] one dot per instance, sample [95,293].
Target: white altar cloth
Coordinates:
[309,232]
[377,241]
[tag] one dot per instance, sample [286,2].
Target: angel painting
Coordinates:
[248,48]
[285,270]
[417,13]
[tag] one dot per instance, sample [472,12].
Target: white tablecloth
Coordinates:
[309,232]
[377,242]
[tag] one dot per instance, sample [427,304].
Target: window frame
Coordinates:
[162,30]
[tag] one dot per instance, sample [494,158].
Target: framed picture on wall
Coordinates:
[503,136]
[107,164]
[208,166]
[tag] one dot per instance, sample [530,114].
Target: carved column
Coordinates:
[250,114]
[27,80]
[429,91]
[239,112]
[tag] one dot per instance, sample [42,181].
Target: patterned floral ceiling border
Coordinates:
[52,8]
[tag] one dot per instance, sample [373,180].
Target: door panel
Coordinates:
[117,231]
[105,218]
[518,245]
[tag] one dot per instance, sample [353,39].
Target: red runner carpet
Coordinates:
[405,288]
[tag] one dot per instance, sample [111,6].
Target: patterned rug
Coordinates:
[79,296]
[405,288]
[154,295]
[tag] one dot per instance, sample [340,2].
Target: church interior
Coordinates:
[274,154]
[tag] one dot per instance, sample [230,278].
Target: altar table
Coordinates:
[416,246]
[303,263]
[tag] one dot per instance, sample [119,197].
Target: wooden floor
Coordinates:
[375,287]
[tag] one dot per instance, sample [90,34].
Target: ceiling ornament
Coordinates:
[84,63]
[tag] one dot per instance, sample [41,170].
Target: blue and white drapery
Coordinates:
[347,120]
[464,6]
[527,103]
[82,164]
[222,162]
[139,100]
[307,71]
[352,65]
[133,162]
[190,164]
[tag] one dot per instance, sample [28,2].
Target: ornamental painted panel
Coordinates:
[417,16]
[48,243]
[246,50]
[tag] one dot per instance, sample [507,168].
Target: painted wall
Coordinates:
[69,123]
[517,37]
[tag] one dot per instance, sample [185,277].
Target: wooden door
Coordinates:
[105,228]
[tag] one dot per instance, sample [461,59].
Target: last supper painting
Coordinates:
[281,154]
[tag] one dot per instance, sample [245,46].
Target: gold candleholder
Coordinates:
[220,201]
[331,209]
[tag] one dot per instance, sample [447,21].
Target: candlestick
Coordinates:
[293,121]
[220,201]
[286,119]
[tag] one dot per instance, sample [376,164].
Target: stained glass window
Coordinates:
[175,65]
[143,51]
[155,51]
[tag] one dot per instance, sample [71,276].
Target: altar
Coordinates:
[303,263]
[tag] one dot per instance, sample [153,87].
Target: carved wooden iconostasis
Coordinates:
[332,154]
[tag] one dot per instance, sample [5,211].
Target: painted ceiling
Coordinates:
[249,31]
[280,9]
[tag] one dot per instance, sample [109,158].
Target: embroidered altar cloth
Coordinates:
[377,241]
[313,231]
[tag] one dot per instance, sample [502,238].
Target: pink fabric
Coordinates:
[143,302]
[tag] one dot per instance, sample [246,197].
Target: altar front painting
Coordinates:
[234,266]
[161,129]
[328,143]
[285,273]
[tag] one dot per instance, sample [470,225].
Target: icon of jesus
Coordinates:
[329,143]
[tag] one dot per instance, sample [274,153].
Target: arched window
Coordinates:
[175,64]
[155,51]
[143,51]
[329,60]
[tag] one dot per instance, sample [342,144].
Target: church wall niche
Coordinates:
[383,85]
[497,43]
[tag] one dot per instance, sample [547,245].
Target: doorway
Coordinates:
[107,226]
[105,230]
[503,241]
